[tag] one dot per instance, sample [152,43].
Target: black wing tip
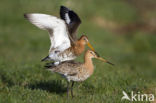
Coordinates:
[74,16]
[63,11]
[71,13]
[26,15]
[64,8]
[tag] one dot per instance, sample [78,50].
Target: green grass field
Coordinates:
[23,78]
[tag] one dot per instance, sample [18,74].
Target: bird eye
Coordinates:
[91,52]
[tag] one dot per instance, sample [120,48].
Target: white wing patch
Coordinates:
[56,27]
[67,18]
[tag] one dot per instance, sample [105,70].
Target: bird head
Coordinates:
[84,40]
[95,55]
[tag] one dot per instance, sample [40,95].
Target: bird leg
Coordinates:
[72,89]
[68,89]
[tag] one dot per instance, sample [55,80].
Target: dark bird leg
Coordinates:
[68,89]
[72,89]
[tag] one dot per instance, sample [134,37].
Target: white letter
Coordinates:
[142,97]
[133,96]
[151,97]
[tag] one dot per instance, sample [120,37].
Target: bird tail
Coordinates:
[46,58]
[49,65]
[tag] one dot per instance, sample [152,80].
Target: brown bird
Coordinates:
[75,71]
[62,31]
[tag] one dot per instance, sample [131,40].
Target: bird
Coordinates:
[62,31]
[74,71]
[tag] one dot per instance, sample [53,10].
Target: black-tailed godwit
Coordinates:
[75,71]
[64,44]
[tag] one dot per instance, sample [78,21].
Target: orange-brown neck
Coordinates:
[88,64]
[78,48]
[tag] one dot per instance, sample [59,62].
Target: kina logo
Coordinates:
[137,96]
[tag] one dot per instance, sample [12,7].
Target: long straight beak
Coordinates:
[90,46]
[104,60]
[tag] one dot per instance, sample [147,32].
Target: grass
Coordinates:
[22,46]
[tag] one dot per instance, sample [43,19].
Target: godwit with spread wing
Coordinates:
[62,32]
[74,71]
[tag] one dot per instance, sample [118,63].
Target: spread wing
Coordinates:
[56,28]
[72,20]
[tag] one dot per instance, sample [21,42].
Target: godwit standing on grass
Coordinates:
[62,32]
[74,71]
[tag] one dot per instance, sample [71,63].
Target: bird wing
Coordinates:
[66,68]
[56,27]
[72,20]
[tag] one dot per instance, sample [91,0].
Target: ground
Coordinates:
[23,78]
